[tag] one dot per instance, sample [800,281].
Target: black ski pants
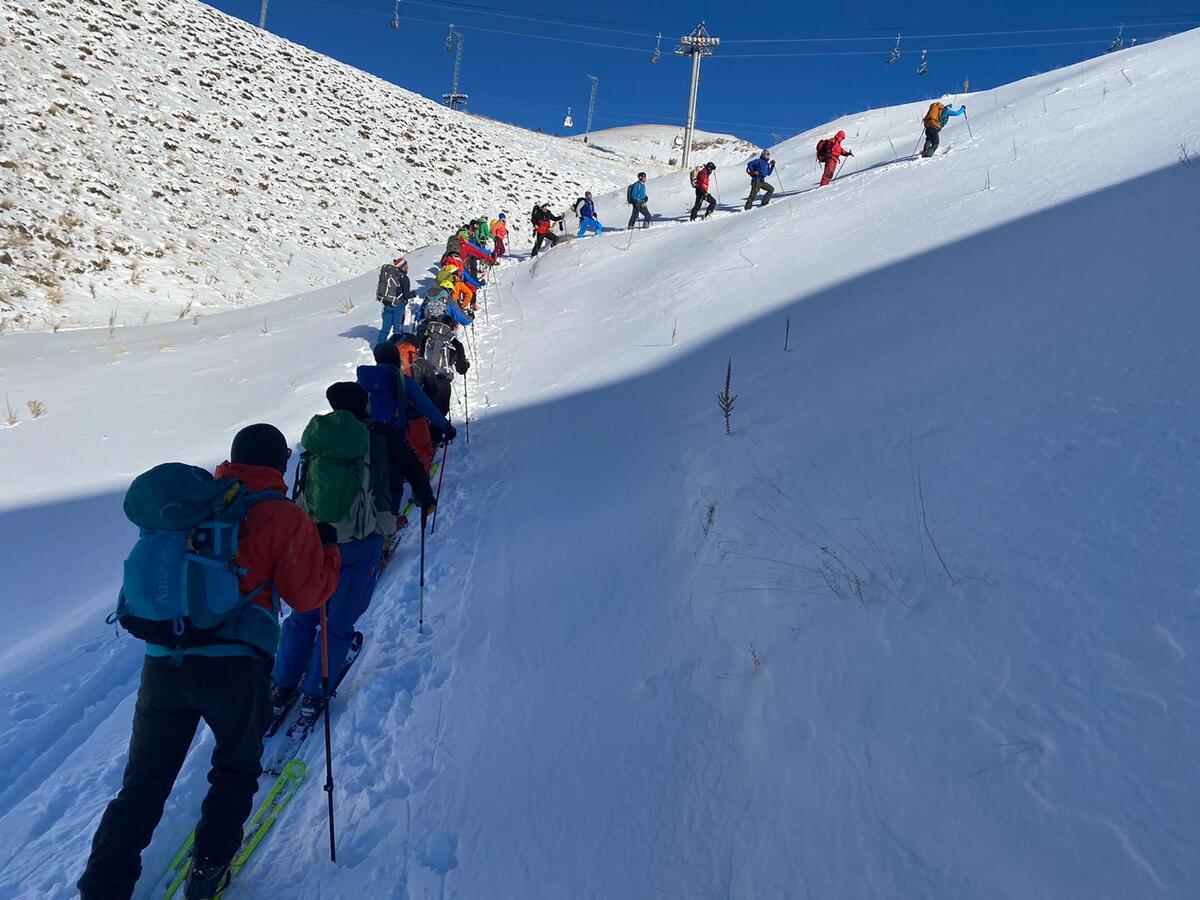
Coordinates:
[702,197]
[639,209]
[760,184]
[232,695]
[932,140]
[537,242]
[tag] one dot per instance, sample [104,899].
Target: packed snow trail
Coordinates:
[920,627]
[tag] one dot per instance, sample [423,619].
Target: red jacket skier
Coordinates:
[834,151]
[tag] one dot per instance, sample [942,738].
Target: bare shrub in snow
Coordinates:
[1185,156]
[112,322]
[184,311]
[347,305]
[36,407]
[265,329]
[710,518]
[10,414]
[135,272]
[725,400]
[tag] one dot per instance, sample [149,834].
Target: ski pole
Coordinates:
[438,497]
[918,147]
[466,412]
[421,609]
[967,119]
[328,735]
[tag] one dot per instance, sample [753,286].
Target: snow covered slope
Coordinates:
[161,159]
[923,625]
[663,143]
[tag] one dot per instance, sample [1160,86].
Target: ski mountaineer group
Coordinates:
[220,554]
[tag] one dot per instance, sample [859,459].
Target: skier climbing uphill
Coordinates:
[344,479]
[543,220]
[700,183]
[393,292]
[830,151]
[219,676]
[588,221]
[935,120]
[499,229]
[759,170]
[637,197]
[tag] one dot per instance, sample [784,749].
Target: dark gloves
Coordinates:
[849,152]
[327,532]
[449,434]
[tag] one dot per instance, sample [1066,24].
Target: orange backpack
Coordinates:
[934,116]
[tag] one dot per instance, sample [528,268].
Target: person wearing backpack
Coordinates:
[193,672]
[934,121]
[700,181]
[636,196]
[586,210]
[499,229]
[393,292]
[759,170]
[829,152]
[413,366]
[344,478]
[398,412]
[543,220]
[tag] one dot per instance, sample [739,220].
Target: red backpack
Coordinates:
[823,147]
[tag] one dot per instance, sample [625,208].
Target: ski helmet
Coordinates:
[841,135]
[711,166]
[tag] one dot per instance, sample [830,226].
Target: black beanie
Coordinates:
[387,355]
[350,396]
[260,445]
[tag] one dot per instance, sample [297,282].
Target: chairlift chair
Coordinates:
[894,57]
[923,65]
[568,122]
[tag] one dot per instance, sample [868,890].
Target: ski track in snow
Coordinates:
[663,662]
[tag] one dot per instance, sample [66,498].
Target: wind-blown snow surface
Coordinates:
[161,159]
[922,626]
[663,143]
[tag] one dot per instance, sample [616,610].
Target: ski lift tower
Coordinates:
[595,80]
[454,44]
[696,45]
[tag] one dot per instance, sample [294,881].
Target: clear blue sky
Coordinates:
[526,61]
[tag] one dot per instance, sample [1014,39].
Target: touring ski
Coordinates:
[302,726]
[277,799]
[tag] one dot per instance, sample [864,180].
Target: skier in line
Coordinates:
[587,216]
[393,292]
[829,152]
[636,196]
[499,229]
[360,538]
[702,195]
[225,683]
[759,170]
[934,121]
[543,220]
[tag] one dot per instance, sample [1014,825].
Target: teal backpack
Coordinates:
[181,581]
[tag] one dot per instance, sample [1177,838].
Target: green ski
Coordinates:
[277,799]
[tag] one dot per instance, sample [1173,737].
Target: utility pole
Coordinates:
[454,43]
[262,15]
[591,107]
[697,44]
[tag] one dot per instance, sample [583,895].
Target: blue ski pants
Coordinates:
[299,648]
[588,223]
[393,322]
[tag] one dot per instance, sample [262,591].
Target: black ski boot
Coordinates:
[281,699]
[207,879]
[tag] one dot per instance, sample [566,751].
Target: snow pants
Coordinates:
[499,249]
[393,322]
[932,139]
[831,165]
[299,647]
[588,223]
[537,242]
[760,184]
[230,693]
[639,209]
[702,197]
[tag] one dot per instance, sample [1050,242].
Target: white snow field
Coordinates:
[662,143]
[160,159]
[923,625]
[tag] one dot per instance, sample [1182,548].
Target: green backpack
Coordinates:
[333,465]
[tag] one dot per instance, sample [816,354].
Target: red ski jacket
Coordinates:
[702,180]
[278,541]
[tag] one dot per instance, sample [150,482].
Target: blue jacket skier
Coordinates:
[587,216]
[637,197]
[758,170]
